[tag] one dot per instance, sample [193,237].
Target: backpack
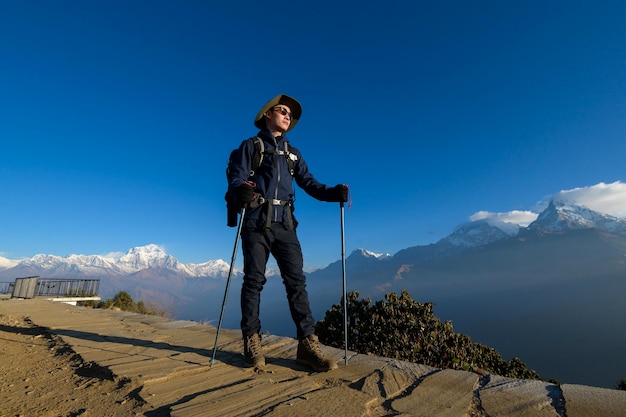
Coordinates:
[232,206]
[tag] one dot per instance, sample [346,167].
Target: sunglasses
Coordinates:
[283,111]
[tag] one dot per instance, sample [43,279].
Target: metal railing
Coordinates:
[30,287]
[6,287]
[60,287]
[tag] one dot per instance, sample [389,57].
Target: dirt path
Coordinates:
[41,376]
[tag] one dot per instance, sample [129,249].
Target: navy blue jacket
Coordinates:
[272,178]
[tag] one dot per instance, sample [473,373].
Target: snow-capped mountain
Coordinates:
[369,254]
[135,260]
[150,256]
[52,265]
[559,217]
[212,269]
[469,237]
[548,285]
[480,233]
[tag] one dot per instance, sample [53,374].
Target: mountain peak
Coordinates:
[149,250]
[479,233]
[561,216]
[369,254]
[137,259]
[149,256]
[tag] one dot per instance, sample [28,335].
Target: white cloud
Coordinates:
[7,263]
[114,255]
[521,218]
[604,198]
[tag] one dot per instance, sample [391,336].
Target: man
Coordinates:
[269,227]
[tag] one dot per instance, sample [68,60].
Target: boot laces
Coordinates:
[314,346]
[254,344]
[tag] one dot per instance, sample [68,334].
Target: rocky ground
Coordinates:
[41,376]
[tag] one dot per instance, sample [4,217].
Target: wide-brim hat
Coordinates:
[292,103]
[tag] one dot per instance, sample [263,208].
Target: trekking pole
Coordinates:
[230,273]
[345,296]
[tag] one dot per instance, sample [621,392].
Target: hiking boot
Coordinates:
[310,353]
[252,351]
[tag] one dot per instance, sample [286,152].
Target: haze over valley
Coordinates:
[550,293]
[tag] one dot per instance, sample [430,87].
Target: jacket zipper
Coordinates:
[277,164]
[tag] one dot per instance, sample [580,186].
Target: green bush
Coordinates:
[621,385]
[401,328]
[123,301]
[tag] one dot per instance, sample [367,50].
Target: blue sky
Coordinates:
[117,117]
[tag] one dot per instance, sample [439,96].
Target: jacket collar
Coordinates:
[268,137]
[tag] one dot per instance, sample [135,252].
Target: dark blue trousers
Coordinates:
[283,244]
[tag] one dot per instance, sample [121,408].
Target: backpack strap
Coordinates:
[288,156]
[257,159]
[257,156]
[259,152]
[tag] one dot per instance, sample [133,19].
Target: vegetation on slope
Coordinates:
[123,301]
[401,328]
[397,327]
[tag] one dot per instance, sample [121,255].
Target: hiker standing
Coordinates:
[269,226]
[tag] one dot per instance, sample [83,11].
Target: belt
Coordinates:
[274,202]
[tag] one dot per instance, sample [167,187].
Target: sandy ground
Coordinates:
[41,376]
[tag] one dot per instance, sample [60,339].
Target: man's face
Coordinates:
[279,118]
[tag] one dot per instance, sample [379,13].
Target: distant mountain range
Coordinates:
[135,260]
[557,218]
[550,293]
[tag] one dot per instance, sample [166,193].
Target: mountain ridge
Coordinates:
[134,260]
[556,218]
